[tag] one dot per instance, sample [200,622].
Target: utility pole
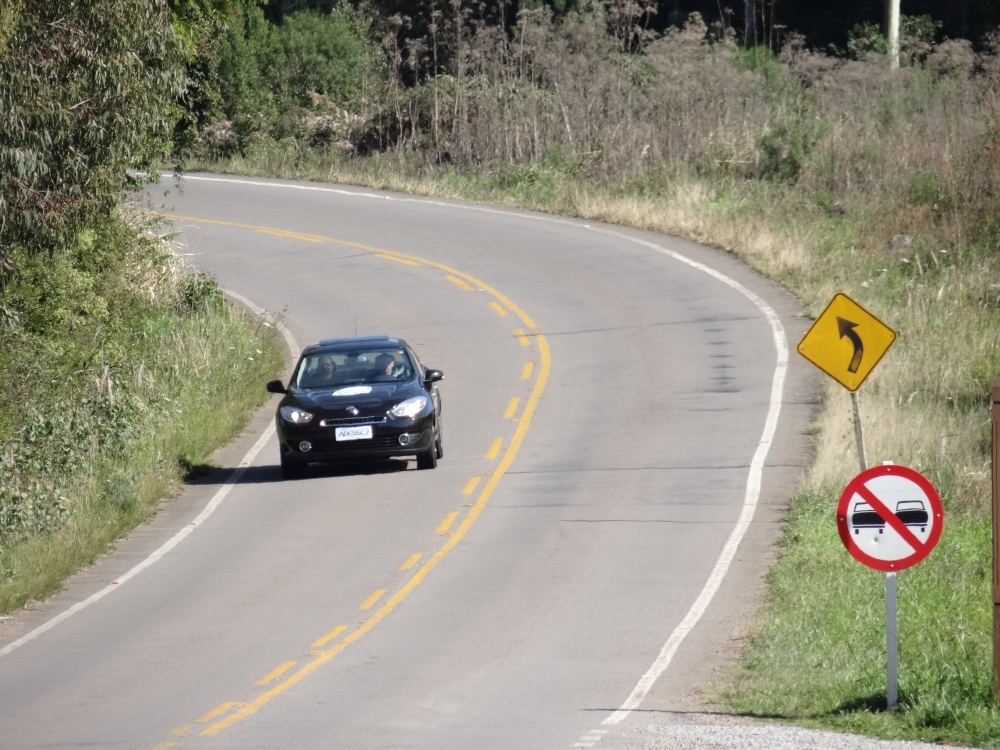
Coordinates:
[892,31]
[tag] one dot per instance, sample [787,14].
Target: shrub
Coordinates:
[786,146]
[322,54]
[198,292]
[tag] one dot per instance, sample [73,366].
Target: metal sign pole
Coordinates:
[891,644]
[891,635]
[995,415]
[858,435]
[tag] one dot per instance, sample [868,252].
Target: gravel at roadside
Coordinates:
[759,737]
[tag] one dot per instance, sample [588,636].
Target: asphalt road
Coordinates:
[518,613]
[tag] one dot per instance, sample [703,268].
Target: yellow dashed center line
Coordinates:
[499,309]
[459,283]
[329,636]
[322,657]
[217,711]
[280,670]
[511,407]
[494,449]
[398,260]
[165,746]
[182,730]
[292,235]
[526,370]
[449,519]
[372,598]
[470,486]
[411,561]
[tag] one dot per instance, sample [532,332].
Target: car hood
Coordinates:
[357,395]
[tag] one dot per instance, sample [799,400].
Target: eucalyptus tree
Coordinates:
[87,99]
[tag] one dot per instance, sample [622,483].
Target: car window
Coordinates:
[357,367]
[421,370]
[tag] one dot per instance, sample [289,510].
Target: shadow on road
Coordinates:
[205,475]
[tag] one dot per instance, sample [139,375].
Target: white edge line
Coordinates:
[261,312]
[750,499]
[752,495]
[176,538]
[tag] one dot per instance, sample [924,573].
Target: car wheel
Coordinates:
[439,445]
[428,459]
[290,468]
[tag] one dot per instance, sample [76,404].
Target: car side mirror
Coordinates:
[432,376]
[275,386]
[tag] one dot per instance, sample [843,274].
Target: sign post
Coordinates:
[859,436]
[890,518]
[995,417]
[891,645]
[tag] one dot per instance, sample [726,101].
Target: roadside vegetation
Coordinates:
[122,373]
[121,370]
[822,168]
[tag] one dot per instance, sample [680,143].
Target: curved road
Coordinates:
[604,402]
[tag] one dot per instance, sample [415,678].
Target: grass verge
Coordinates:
[126,373]
[817,655]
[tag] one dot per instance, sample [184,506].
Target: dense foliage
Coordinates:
[255,76]
[85,95]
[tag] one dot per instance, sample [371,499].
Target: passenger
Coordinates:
[385,365]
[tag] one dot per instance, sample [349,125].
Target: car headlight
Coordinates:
[295,415]
[409,408]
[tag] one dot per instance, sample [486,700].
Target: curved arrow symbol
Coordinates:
[846,328]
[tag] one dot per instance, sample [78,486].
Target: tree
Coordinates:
[86,95]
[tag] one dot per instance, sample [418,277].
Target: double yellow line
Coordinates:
[504,305]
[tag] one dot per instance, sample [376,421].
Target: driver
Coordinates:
[325,371]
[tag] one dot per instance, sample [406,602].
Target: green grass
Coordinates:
[819,655]
[213,387]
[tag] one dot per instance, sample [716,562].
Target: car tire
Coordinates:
[290,468]
[439,445]
[428,459]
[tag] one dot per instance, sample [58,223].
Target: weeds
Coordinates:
[123,371]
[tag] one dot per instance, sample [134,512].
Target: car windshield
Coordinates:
[356,367]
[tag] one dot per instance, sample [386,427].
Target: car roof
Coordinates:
[354,342]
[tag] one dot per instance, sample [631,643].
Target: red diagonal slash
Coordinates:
[890,518]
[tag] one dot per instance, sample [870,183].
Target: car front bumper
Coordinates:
[384,442]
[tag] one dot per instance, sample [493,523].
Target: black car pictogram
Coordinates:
[865,517]
[912,513]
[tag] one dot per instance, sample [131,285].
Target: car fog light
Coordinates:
[305,446]
[408,437]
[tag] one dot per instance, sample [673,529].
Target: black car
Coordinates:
[356,399]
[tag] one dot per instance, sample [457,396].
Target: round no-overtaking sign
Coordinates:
[890,517]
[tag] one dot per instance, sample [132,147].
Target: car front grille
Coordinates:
[351,420]
[377,442]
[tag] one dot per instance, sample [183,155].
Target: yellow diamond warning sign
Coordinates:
[846,341]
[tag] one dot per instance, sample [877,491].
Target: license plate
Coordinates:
[360,432]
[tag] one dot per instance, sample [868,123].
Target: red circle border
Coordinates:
[890,566]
